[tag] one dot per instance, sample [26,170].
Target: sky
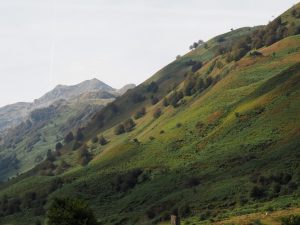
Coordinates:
[44,43]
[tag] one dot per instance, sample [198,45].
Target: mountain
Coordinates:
[13,115]
[69,92]
[124,89]
[30,129]
[213,137]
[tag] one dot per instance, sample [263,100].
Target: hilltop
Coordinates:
[212,136]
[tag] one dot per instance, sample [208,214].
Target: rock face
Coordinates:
[13,115]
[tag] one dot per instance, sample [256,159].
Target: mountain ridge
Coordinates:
[13,114]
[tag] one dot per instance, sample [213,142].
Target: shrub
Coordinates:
[140,113]
[174,98]
[66,211]
[188,88]
[291,220]
[152,87]
[58,146]
[220,39]
[137,97]
[50,156]
[69,137]
[95,139]
[124,182]
[76,145]
[200,85]
[84,156]
[129,125]
[157,113]
[257,192]
[119,129]
[197,66]
[166,102]
[255,53]
[102,140]
[154,100]
[191,182]
[79,135]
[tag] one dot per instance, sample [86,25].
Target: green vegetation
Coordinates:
[70,211]
[221,142]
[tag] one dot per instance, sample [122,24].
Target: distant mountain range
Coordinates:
[14,114]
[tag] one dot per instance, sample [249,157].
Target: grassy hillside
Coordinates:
[217,139]
[29,142]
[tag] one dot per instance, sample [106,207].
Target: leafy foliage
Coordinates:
[66,211]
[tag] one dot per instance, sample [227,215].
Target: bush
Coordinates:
[50,156]
[166,102]
[157,113]
[152,87]
[174,98]
[188,88]
[140,113]
[95,140]
[84,156]
[257,192]
[66,211]
[124,182]
[255,53]
[58,146]
[129,125]
[76,145]
[291,220]
[119,129]
[200,85]
[191,182]
[136,97]
[69,137]
[79,135]
[154,100]
[102,140]
[197,66]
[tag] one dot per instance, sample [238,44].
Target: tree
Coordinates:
[195,45]
[152,87]
[69,137]
[79,135]
[129,125]
[257,192]
[58,146]
[200,85]
[188,87]
[102,140]
[157,113]
[166,102]
[95,140]
[154,100]
[197,66]
[119,129]
[68,211]
[201,42]
[140,113]
[50,156]
[84,156]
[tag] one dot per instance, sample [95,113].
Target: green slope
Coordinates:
[228,150]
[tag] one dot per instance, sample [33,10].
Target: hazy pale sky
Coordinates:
[48,42]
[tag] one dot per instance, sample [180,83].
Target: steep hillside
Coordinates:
[212,136]
[45,122]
